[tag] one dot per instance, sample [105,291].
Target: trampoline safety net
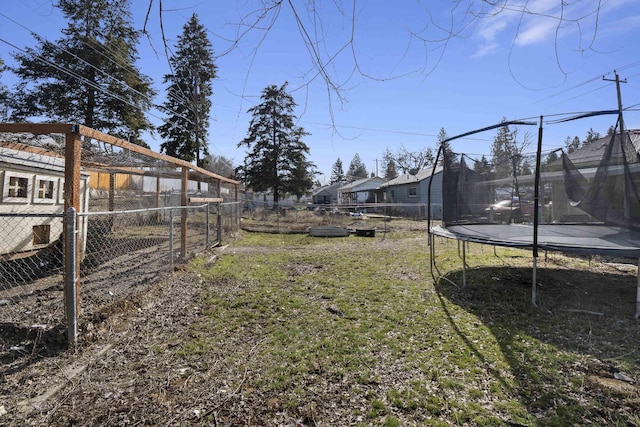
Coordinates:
[597,184]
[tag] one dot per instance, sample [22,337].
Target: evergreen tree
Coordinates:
[277,159]
[302,182]
[572,144]
[89,75]
[507,152]
[447,153]
[591,136]
[188,96]
[389,165]
[482,166]
[4,97]
[551,157]
[219,165]
[357,169]
[337,172]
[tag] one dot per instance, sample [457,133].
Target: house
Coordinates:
[32,182]
[414,189]
[587,160]
[363,190]
[327,194]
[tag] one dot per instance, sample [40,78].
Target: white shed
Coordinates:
[32,182]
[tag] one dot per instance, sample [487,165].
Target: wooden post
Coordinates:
[72,149]
[185,214]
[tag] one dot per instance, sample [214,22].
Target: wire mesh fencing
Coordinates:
[31,267]
[122,254]
[128,250]
[136,218]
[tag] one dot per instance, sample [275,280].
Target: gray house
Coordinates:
[360,191]
[413,189]
[327,194]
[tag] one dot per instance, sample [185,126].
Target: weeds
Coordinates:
[359,328]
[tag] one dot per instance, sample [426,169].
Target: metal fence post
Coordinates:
[219,224]
[171,238]
[207,238]
[71,274]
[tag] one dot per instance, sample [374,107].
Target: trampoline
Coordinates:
[586,202]
[574,238]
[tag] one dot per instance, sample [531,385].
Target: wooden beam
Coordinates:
[92,133]
[205,200]
[38,128]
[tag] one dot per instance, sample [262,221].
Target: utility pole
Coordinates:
[618,81]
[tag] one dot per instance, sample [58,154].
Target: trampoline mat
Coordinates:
[569,238]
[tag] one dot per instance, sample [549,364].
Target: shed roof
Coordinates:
[32,159]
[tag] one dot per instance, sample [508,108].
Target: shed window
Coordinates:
[42,234]
[45,189]
[413,191]
[18,187]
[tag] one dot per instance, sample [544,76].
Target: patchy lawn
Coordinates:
[292,330]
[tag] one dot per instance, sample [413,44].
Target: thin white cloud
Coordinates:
[489,33]
[538,31]
[538,21]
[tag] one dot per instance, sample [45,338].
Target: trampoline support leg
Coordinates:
[534,282]
[464,265]
[637,316]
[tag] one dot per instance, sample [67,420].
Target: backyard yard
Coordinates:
[291,330]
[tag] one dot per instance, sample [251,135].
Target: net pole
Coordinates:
[464,265]
[536,214]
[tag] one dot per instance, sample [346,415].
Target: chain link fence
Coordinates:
[139,215]
[122,254]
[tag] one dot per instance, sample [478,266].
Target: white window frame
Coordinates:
[413,190]
[60,192]
[54,192]
[7,185]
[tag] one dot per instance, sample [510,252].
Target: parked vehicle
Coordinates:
[505,211]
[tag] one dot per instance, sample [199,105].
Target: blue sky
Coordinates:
[401,75]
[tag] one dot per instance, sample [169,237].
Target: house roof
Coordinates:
[364,184]
[592,153]
[422,174]
[331,188]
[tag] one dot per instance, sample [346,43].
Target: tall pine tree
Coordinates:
[188,96]
[337,172]
[507,152]
[447,155]
[357,169]
[389,165]
[277,157]
[89,75]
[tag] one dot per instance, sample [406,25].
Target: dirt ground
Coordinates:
[119,373]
